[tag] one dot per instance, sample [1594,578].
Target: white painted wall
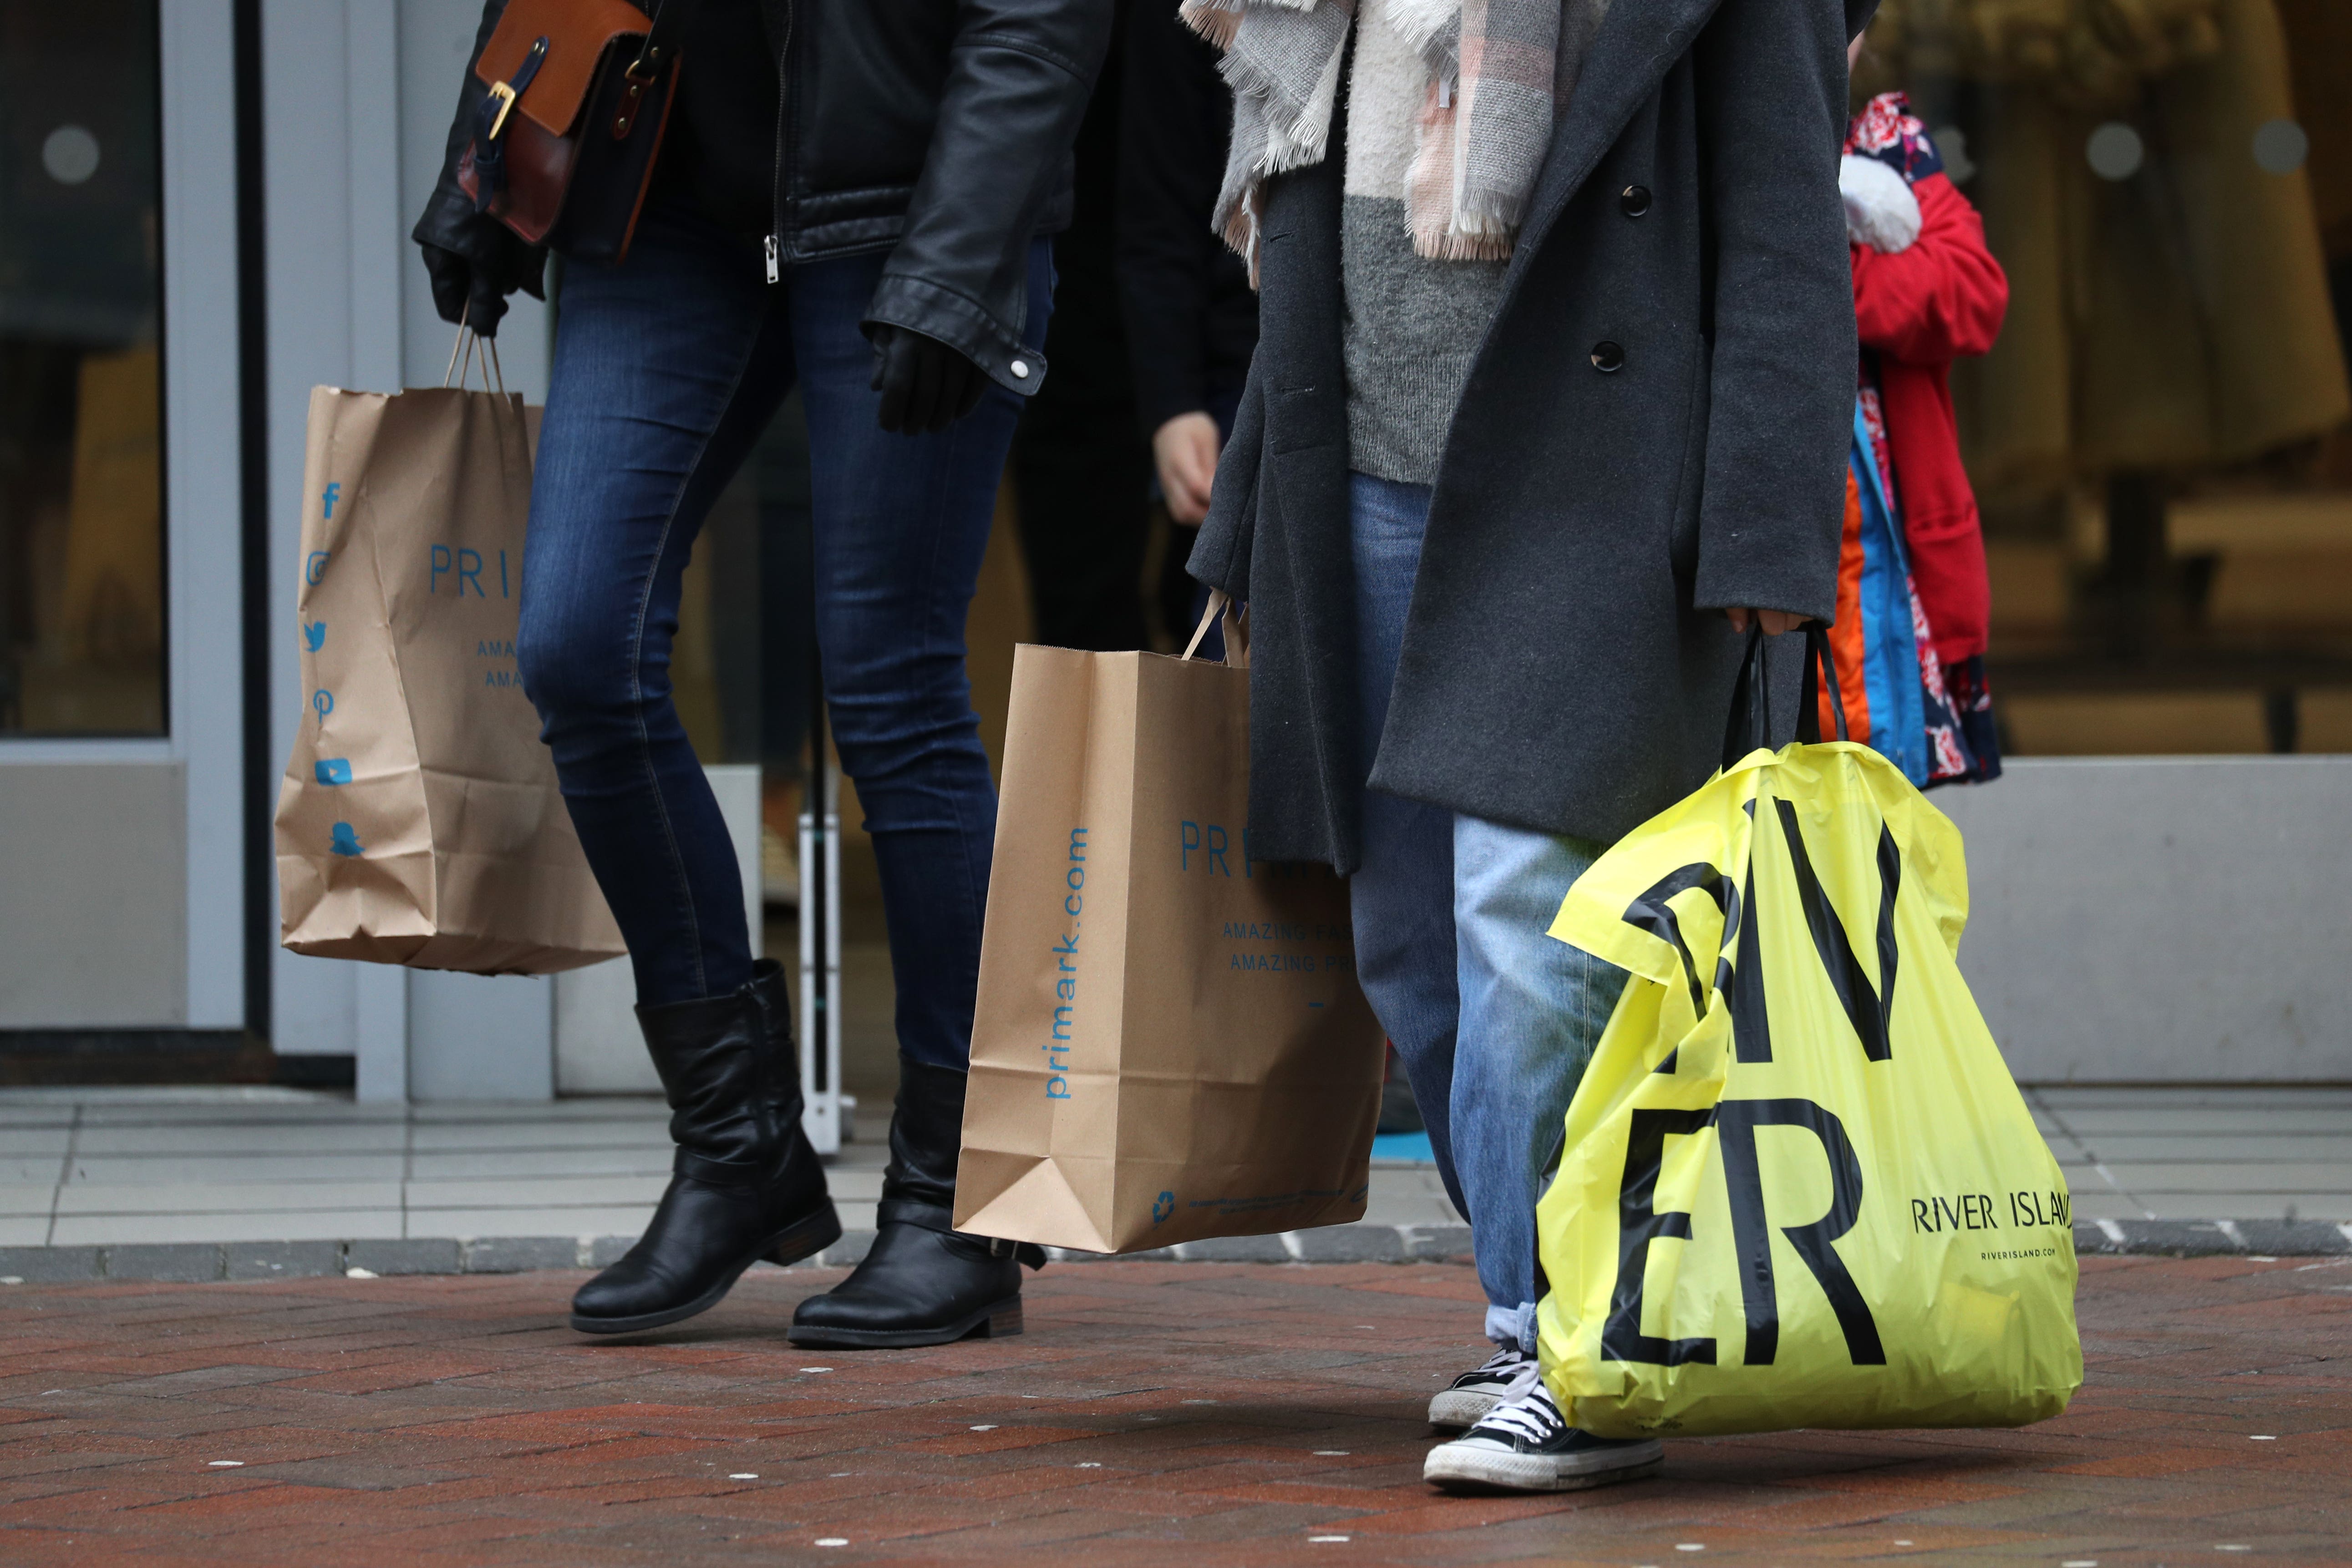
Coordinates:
[2162,918]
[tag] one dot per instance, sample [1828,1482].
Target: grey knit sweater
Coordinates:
[1410,325]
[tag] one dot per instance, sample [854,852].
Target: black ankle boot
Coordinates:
[923,1283]
[746,1185]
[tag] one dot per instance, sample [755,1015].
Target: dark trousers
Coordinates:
[667,368]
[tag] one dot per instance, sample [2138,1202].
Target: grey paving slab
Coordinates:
[583,1107]
[2254,1120]
[43,1265]
[2334,1148]
[2219,1176]
[24,1230]
[1408,1197]
[433,1138]
[225,1197]
[280,1259]
[538,1192]
[151,1262]
[167,1170]
[513,1255]
[435,1255]
[2066,1094]
[312,1225]
[606,1220]
[18,1199]
[218,1138]
[2330,1207]
[31,1143]
[495,1164]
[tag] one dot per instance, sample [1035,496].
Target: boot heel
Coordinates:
[1003,1324]
[806,1239]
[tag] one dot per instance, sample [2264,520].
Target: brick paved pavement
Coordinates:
[1192,1414]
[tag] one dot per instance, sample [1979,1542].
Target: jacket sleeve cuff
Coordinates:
[963,325]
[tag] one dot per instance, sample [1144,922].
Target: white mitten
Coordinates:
[1880,210]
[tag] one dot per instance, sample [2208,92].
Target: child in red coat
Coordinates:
[1926,291]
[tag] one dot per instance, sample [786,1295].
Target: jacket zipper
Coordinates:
[775,247]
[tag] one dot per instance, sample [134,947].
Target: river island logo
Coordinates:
[1162,1206]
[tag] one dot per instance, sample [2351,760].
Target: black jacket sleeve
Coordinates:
[449,219]
[1176,118]
[1017,81]
[1221,555]
[1772,88]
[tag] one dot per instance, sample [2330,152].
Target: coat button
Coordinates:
[1606,357]
[1635,200]
[1019,369]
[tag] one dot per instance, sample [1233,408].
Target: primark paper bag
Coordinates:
[419,822]
[1170,1043]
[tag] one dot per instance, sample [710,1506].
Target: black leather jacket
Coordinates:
[937,130]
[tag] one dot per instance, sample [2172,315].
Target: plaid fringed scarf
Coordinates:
[1499,72]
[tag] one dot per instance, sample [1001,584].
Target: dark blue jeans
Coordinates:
[667,367]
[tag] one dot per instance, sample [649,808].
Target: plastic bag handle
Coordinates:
[1819,662]
[1749,727]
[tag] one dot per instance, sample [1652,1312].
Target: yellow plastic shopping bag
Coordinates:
[1799,1187]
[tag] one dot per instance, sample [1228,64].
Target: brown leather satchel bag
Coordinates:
[564,144]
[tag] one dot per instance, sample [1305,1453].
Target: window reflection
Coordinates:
[81,561]
[2161,441]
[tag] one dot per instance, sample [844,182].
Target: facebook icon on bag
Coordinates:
[332,770]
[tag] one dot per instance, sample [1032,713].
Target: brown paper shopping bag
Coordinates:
[419,822]
[1170,1043]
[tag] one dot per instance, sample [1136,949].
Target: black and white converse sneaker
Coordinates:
[1524,1445]
[1465,1401]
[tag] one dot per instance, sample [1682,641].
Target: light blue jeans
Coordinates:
[1494,1020]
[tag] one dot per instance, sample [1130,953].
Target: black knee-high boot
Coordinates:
[923,1283]
[747,1185]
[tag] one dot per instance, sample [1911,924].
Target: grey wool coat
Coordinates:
[1564,668]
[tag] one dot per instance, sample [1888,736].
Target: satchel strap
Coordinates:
[660,47]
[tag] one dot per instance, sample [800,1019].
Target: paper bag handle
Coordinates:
[1236,620]
[462,354]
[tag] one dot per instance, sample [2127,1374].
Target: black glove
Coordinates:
[472,284]
[926,386]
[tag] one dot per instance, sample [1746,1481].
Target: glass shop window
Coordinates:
[2161,439]
[81,450]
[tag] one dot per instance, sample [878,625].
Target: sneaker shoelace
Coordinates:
[1505,1365]
[1527,1412]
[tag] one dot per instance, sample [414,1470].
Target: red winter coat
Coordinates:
[1921,309]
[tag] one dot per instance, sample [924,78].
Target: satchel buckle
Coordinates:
[507,97]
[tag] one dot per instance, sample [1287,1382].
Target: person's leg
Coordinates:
[666,368]
[901,524]
[1532,1011]
[1401,894]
